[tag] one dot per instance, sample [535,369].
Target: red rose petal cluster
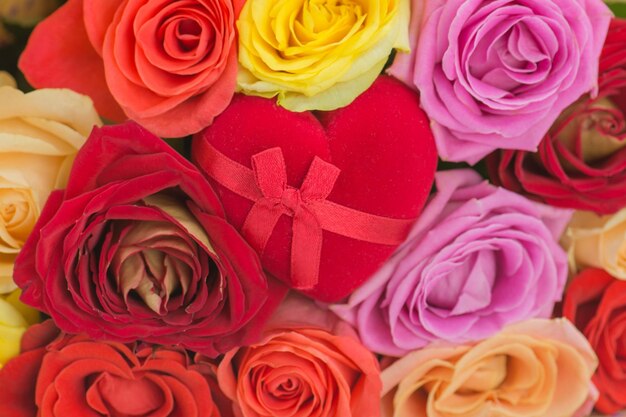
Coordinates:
[137,248]
[58,375]
[581,163]
[596,303]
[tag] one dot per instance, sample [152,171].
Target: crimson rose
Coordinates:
[596,303]
[137,247]
[581,162]
[67,376]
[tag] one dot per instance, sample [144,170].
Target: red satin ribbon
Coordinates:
[266,185]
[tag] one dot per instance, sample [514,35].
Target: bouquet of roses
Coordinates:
[312,208]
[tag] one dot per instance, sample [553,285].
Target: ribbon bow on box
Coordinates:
[266,185]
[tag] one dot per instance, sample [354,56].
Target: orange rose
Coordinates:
[302,371]
[539,368]
[169,65]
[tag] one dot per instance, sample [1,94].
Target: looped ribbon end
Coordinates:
[266,185]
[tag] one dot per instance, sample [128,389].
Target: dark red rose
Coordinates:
[581,162]
[596,303]
[137,247]
[75,376]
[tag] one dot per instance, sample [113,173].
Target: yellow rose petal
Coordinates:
[15,318]
[6,80]
[317,54]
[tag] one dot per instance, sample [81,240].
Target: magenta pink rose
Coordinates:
[497,74]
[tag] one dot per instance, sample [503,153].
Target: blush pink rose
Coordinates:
[170,66]
[497,74]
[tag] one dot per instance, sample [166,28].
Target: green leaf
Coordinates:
[618,7]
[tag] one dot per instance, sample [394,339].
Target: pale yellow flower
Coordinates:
[15,318]
[597,241]
[317,54]
[40,133]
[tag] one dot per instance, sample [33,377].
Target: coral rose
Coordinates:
[317,55]
[171,66]
[73,376]
[478,257]
[40,133]
[538,368]
[581,162]
[594,302]
[308,365]
[136,248]
[496,74]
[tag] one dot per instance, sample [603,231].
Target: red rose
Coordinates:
[72,376]
[596,303]
[581,163]
[137,247]
[169,65]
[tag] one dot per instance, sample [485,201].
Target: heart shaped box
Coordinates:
[381,143]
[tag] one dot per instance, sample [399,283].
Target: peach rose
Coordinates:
[40,133]
[308,365]
[539,368]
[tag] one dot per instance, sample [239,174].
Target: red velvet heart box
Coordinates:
[381,143]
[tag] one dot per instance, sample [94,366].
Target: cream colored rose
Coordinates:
[317,54]
[15,318]
[539,368]
[597,241]
[40,133]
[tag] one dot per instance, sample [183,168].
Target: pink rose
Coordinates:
[479,257]
[496,74]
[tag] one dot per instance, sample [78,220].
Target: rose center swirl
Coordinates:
[145,267]
[18,215]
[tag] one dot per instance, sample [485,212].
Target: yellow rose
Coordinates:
[539,368]
[317,54]
[15,318]
[40,133]
[597,241]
